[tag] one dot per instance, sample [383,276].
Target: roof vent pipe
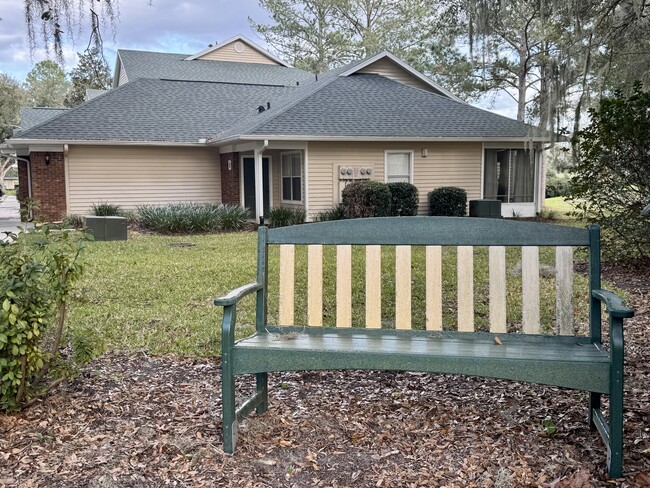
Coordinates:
[260,109]
[268,105]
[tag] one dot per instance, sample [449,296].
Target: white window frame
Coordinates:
[410,152]
[302,178]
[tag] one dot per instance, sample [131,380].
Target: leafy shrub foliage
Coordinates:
[366,199]
[448,201]
[557,184]
[404,199]
[335,213]
[38,270]
[188,218]
[105,209]
[283,216]
[611,182]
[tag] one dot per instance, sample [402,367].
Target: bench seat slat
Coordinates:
[560,361]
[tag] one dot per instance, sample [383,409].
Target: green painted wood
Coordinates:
[229,415]
[595,320]
[249,405]
[420,231]
[577,364]
[234,296]
[615,305]
[262,279]
[615,451]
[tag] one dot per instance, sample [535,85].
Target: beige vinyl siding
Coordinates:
[447,164]
[228,53]
[130,176]
[122,77]
[389,69]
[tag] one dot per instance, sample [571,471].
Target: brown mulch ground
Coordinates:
[136,421]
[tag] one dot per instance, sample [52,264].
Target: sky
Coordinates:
[180,26]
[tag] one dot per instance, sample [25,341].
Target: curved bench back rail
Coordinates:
[432,233]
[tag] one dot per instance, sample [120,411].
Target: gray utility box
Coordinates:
[106,228]
[485,208]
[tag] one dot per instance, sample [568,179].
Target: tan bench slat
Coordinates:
[564,289]
[287,280]
[497,272]
[530,290]
[344,286]
[402,287]
[433,258]
[315,285]
[373,287]
[465,267]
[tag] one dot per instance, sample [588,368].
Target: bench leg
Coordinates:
[229,413]
[262,382]
[594,404]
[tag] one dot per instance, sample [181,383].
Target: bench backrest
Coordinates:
[432,233]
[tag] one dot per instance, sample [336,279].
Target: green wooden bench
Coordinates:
[560,358]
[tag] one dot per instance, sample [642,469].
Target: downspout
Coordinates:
[259,182]
[66,179]
[28,164]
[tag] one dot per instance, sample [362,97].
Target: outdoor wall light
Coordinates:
[230,165]
[425,152]
[47,159]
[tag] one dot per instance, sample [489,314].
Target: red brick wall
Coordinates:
[48,184]
[230,179]
[23,184]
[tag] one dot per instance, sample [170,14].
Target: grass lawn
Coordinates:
[150,294]
[560,206]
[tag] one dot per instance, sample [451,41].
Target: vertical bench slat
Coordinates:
[287,279]
[564,289]
[530,290]
[315,284]
[465,268]
[344,286]
[497,271]
[402,287]
[433,259]
[373,287]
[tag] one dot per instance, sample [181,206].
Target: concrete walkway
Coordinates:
[10,216]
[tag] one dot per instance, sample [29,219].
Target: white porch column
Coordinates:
[259,180]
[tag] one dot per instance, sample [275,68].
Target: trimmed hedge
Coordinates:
[449,201]
[404,199]
[366,199]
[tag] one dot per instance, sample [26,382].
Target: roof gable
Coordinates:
[390,66]
[238,49]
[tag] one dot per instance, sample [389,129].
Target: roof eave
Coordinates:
[289,137]
[101,142]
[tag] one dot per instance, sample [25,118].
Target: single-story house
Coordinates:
[233,123]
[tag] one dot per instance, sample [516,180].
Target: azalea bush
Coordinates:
[38,271]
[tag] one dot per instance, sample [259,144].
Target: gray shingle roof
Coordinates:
[143,64]
[157,110]
[31,117]
[374,106]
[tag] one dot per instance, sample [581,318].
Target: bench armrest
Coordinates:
[615,306]
[237,294]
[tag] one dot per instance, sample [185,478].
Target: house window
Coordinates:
[398,166]
[292,177]
[509,175]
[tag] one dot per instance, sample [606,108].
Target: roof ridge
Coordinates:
[310,90]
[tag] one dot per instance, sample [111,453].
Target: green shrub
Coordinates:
[448,201]
[38,270]
[284,216]
[105,209]
[188,218]
[335,213]
[611,180]
[404,199]
[557,184]
[72,221]
[366,199]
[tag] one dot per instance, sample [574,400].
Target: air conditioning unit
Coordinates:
[490,209]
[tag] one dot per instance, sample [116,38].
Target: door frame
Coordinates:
[241,179]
